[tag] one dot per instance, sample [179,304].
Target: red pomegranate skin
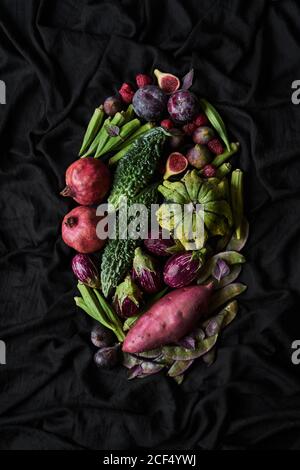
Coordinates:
[88,181]
[79,230]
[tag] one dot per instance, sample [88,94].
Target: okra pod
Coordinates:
[237,201]
[112,142]
[90,305]
[216,120]
[220,159]
[111,315]
[94,145]
[235,244]
[125,146]
[129,114]
[223,170]
[117,120]
[92,129]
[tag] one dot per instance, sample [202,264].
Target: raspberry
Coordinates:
[209,171]
[126,93]
[167,124]
[200,120]
[215,146]
[189,128]
[143,80]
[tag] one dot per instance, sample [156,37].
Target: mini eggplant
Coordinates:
[85,270]
[146,272]
[158,246]
[127,298]
[107,357]
[102,337]
[182,268]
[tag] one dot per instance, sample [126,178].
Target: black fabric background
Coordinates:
[61,58]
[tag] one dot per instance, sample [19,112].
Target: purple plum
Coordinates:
[183,106]
[149,102]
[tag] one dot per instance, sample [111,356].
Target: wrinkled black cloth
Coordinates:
[59,60]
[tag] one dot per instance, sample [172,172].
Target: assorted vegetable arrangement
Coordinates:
[161,302]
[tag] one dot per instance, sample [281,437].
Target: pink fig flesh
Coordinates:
[176,164]
[167,82]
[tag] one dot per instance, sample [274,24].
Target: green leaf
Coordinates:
[216,121]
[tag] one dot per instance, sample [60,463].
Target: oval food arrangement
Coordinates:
[161,300]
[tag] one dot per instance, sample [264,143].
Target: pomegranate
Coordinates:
[79,230]
[88,181]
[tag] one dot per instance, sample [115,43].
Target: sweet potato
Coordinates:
[169,319]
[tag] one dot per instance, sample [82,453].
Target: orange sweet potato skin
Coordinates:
[169,319]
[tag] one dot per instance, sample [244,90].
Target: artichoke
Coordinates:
[195,209]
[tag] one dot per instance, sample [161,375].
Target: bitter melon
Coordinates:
[137,167]
[118,254]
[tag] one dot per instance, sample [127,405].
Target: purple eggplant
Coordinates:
[127,298]
[182,268]
[146,272]
[158,245]
[85,270]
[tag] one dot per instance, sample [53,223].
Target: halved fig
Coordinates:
[167,82]
[176,164]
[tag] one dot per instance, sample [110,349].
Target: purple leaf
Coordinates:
[113,131]
[188,342]
[187,80]
[135,372]
[221,269]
